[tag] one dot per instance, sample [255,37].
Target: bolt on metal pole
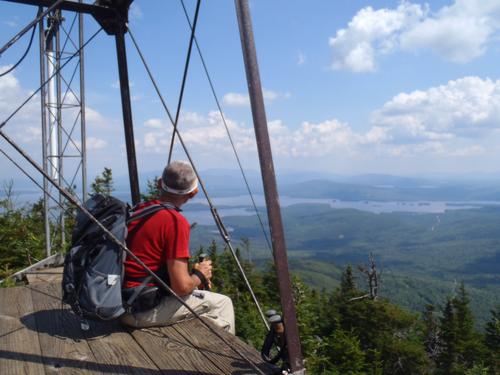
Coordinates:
[270,187]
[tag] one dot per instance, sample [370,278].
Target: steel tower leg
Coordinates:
[83,146]
[60,150]
[127,116]
[270,188]
[43,94]
[63,152]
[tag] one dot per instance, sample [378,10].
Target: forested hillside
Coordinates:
[343,331]
[422,257]
[344,328]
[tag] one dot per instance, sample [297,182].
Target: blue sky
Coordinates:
[396,87]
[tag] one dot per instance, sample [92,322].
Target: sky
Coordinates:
[350,87]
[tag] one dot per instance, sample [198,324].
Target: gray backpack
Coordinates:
[93,267]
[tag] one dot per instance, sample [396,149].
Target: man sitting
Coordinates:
[161,241]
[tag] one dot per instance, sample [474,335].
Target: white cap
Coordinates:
[179,178]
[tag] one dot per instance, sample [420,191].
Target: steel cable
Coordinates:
[213,210]
[31,178]
[48,80]
[29,26]
[23,56]
[184,77]
[212,87]
[110,235]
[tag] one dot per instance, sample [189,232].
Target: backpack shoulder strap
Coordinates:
[149,210]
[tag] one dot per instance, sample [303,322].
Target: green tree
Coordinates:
[348,288]
[470,344]
[344,354]
[431,333]
[447,359]
[103,183]
[152,190]
[464,318]
[492,340]
[477,370]
[22,236]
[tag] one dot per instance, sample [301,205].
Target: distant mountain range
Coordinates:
[373,187]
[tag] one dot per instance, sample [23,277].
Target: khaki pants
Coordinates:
[214,306]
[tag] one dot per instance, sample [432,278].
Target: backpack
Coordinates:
[93,267]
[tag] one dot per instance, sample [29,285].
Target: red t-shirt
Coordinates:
[161,236]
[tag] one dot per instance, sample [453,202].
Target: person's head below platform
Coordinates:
[178,183]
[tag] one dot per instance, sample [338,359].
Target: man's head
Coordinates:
[178,182]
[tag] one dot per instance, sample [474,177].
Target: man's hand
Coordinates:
[205,268]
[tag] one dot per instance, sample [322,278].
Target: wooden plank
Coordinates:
[16,357]
[113,350]
[172,353]
[118,349]
[46,275]
[62,343]
[219,352]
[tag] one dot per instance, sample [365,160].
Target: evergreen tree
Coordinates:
[492,341]
[492,337]
[470,347]
[447,359]
[270,283]
[431,333]
[344,354]
[152,191]
[348,288]
[307,320]
[464,319]
[477,370]
[103,184]
[22,236]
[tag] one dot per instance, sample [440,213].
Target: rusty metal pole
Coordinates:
[127,114]
[270,187]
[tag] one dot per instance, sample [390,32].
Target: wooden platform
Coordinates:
[39,335]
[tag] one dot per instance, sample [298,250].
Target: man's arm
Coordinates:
[181,282]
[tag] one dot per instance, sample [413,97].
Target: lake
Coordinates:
[242,205]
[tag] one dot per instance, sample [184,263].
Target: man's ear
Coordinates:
[194,192]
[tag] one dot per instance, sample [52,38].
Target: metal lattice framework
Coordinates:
[63,116]
[63,122]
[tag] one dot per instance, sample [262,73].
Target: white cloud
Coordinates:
[325,138]
[11,96]
[468,151]
[235,99]
[204,133]
[155,123]
[11,23]
[459,32]
[208,136]
[30,135]
[191,118]
[301,58]
[135,12]
[458,119]
[448,119]
[464,107]
[94,143]
[95,119]
[25,126]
